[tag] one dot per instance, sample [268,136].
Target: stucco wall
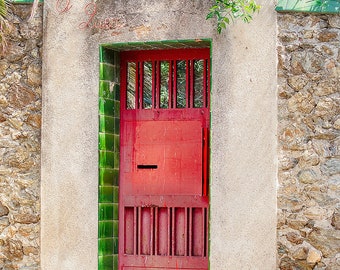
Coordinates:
[243,169]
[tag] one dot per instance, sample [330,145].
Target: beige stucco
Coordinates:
[243,170]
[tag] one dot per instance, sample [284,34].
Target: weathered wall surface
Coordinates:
[243,191]
[20,123]
[309,129]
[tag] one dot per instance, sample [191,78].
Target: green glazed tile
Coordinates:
[116,91]
[115,194]
[115,262]
[117,108]
[105,229]
[107,55]
[107,124]
[116,143]
[105,211]
[115,228]
[115,211]
[107,89]
[107,142]
[106,194]
[116,60]
[108,177]
[116,160]
[106,106]
[108,159]
[327,7]
[106,263]
[117,126]
[115,245]
[107,72]
[105,246]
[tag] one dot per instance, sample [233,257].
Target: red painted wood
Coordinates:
[163,203]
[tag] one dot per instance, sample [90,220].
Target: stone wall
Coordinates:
[20,123]
[309,128]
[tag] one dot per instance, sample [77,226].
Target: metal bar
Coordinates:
[141,86]
[187,78]
[137,86]
[153,87]
[158,83]
[175,86]
[208,83]
[170,104]
[123,79]
[192,77]
[205,86]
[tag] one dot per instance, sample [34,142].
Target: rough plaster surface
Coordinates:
[243,191]
[243,188]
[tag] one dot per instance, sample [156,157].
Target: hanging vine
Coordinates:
[4,27]
[226,11]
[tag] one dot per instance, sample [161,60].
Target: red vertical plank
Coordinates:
[145,231]
[198,232]
[173,233]
[156,239]
[129,231]
[163,235]
[180,231]
[205,163]
[189,229]
[139,230]
[152,230]
[206,232]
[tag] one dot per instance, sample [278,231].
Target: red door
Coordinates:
[163,204]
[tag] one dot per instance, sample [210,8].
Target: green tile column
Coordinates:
[109,107]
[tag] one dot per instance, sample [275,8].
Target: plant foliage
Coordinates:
[226,11]
[4,4]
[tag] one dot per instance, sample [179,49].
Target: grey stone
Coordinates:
[334,21]
[307,176]
[336,219]
[331,166]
